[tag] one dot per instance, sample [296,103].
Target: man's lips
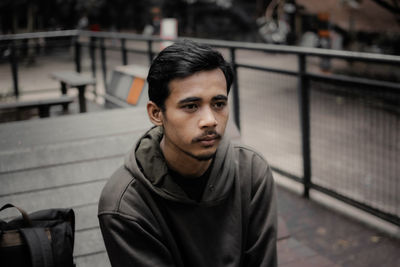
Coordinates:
[208,140]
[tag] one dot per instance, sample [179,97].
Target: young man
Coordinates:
[186,196]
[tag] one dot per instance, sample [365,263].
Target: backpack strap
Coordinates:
[39,246]
[25,215]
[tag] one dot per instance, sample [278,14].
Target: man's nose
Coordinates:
[207,119]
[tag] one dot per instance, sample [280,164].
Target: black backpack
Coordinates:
[44,238]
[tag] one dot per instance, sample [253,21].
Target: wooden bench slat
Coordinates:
[26,134]
[86,217]
[57,176]
[88,242]
[68,196]
[84,150]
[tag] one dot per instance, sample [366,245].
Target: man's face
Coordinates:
[196,113]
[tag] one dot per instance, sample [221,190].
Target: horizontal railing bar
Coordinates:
[119,35]
[34,46]
[333,77]
[288,72]
[307,51]
[137,51]
[33,35]
[354,80]
[116,48]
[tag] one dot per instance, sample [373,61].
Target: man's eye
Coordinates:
[190,107]
[220,105]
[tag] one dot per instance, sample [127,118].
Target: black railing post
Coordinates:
[304,106]
[150,50]
[124,52]
[103,62]
[92,51]
[77,55]
[235,87]
[14,68]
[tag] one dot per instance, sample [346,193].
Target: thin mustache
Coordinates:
[206,134]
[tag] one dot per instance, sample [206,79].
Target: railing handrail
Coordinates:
[307,51]
[122,35]
[34,35]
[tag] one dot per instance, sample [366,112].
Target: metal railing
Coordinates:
[344,130]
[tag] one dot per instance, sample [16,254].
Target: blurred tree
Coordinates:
[124,14]
[392,5]
[8,14]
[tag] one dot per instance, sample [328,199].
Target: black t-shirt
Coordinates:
[193,186]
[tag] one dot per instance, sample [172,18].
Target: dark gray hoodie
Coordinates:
[148,220]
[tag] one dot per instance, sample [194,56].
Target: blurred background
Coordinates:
[357,25]
[317,92]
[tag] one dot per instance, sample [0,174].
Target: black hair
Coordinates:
[181,60]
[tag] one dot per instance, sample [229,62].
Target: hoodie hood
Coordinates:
[147,164]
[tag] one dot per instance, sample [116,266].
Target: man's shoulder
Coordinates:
[119,188]
[244,153]
[253,168]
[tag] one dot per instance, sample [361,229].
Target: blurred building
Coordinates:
[362,25]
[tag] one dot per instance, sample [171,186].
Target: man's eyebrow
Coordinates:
[189,99]
[220,97]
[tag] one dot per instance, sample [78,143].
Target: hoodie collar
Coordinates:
[147,164]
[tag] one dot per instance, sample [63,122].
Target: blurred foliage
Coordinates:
[65,14]
[217,19]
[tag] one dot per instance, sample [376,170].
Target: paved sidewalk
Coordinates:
[322,237]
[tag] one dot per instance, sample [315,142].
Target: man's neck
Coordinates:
[182,163]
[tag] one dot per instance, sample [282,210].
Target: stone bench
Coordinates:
[43,105]
[72,79]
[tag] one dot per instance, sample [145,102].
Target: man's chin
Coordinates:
[205,157]
[201,157]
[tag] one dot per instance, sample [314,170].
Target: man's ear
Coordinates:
[155,113]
